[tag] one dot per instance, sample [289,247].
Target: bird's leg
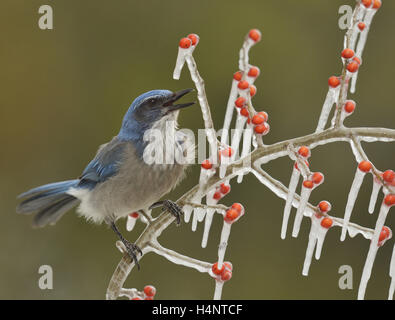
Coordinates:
[171,206]
[131,248]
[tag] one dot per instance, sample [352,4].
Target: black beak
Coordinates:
[176,96]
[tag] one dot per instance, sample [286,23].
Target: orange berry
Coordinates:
[333,81]
[252,90]
[206,164]
[387,231]
[264,114]
[215,269]
[243,85]
[240,102]
[361,26]
[367,3]
[231,215]
[224,188]
[255,35]
[347,53]
[238,207]
[194,37]
[185,43]
[308,184]
[318,177]
[228,265]
[383,235]
[237,75]
[134,215]
[326,222]
[304,151]
[353,66]
[226,275]
[365,166]
[349,106]
[389,200]
[389,176]
[258,119]
[149,291]
[263,128]
[324,206]
[357,60]
[217,195]
[253,72]
[244,112]
[376,4]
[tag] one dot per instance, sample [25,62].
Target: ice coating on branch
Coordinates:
[226,227]
[374,246]
[247,139]
[229,112]
[316,240]
[293,183]
[218,289]
[352,197]
[392,275]
[304,198]
[331,98]
[373,197]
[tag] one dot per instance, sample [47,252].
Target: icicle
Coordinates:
[322,231]
[187,209]
[247,136]
[198,216]
[367,269]
[131,221]
[330,99]
[288,204]
[364,35]
[304,198]
[240,122]
[392,275]
[218,289]
[223,243]
[181,58]
[229,113]
[311,244]
[352,196]
[209,216]
[375,192]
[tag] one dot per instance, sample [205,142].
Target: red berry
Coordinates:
[149,291]
[318,177]
[240,102]
[324,206]
[347,53]
[376,4]
[206,164]
[243,84]
[252,90]
[333,81]
[255,35]
[217,195]
[264,114]
[194,37]
[253,72]
[238,207]
[383,235]
[149,298]
[365,166]
[134,215]
[326,222]
[389,200]
[308,184]
[215,269]
[136,298]
[353,66]
[226,152]
[357,60]
[237,75]
[361,26]
[226,275]
[231,215]
[185,43]
[225,188]
[389,176]
[228,265]
[258,119]
[263,128]
[367,3]
[349,106]
[304,151]
[387,231]
[244,112]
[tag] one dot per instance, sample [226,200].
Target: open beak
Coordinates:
[176,96]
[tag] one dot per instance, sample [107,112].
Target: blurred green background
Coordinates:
[64,92]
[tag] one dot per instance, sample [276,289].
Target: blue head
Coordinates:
[149,108]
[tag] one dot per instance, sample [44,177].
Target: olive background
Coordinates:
[64,92]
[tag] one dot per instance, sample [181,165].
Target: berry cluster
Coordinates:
[234,213]
[223,274]
[148,293]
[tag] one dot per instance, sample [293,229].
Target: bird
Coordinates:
[121,178]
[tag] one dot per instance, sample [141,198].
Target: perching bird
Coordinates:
[119,180]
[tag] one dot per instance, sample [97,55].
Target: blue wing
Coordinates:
[104,165]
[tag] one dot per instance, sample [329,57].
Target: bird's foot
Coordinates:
[132,250]
[170,206]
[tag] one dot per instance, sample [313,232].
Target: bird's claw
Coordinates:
[131,249]
[170,206]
